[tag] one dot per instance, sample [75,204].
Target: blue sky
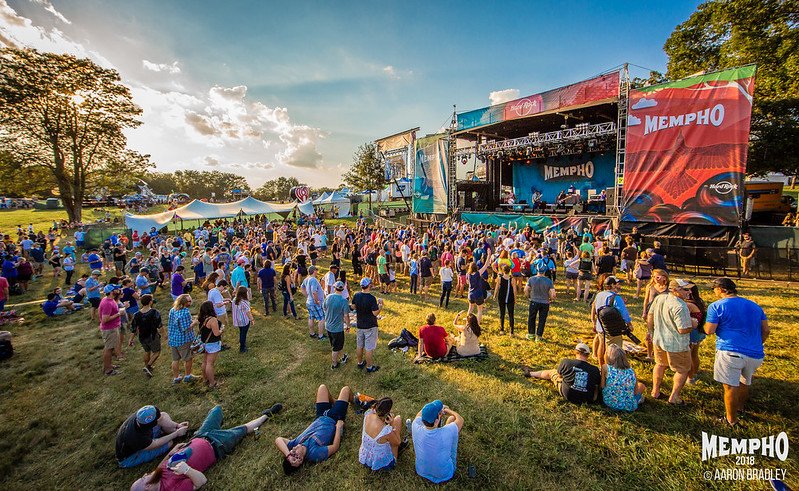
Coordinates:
[268,89]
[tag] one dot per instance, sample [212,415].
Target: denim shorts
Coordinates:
[212,348]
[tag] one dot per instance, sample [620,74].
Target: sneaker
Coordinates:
[312,335]
[530,337]
[373,369]
[344,359]
[147,371]
[408,426]
[189,378]
[276,408]
[403,445]
[112,372]
[150,367]
[177,380]
[322,337]
[335,365]
[361,365]
[539,338]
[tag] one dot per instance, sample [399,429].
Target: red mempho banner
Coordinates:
[686,149]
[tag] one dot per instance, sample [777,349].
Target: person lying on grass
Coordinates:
[146,435]
[55,305]
[576,380]
[322,438]
[183,467]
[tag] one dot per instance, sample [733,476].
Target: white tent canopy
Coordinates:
[200,210]
[338,200]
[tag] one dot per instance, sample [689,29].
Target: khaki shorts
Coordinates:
[679,362]
[617,340]
[733,368]
[110,338]
[427,280]
[366,338]
[182,352]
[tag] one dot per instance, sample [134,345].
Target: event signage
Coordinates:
[588,171]
[430,175]
[686,149]
[596,89]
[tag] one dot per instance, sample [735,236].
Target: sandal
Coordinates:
[660,395]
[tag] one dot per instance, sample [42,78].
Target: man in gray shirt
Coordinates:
[541,291]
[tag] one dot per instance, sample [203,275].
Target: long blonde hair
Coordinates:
[182,301]
[656,273]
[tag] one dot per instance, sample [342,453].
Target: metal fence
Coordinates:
[769,263]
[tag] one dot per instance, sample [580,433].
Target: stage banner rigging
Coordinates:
[686,149]
[396,151]
[430,175]
[592,90]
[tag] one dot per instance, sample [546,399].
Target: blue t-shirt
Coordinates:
[91,283]
[739,326]
[414,269]
[49,307]
[316,438]
[38,254]
[436,451]
[311,286]
[267,276]
[143,284]
[335,307]
[238,278]
[94,261]
[9,270]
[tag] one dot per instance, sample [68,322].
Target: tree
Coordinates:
[654,78]
[65,114]
[728,33]
[367,171]
[121,173]
[20,181]
[277,189]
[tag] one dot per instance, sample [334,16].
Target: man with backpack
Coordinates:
[610,317]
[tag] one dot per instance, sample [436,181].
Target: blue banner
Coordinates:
[555,174]
[430,175]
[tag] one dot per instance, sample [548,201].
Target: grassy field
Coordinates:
[43,219]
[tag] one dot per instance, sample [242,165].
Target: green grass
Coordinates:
[60,414]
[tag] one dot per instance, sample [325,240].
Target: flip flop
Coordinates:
[660,395]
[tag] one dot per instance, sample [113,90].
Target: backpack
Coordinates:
[610,318]
[6,349]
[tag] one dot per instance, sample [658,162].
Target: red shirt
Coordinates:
[435,341]
[202,458]
[3,288]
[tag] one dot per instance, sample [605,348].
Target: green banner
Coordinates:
[537,223]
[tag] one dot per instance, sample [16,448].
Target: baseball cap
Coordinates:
[681,283]
[431,410]
[725,284]
[583,348]
[339,285]
[312,270]
[612,280]
[366,282]
[146,415]
[109,288]
[96,272]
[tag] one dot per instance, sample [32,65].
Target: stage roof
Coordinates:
[599,90]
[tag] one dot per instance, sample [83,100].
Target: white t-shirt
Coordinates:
[215,297]
[330,280]
[446,274]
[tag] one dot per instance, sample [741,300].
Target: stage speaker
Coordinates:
[610,195]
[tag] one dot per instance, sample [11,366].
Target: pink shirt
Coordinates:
[202,458]
[108,306]
[3,288]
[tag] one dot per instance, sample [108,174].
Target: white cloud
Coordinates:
[161,67]
[49,8]
[644,103]
[394,73]
[505,95]
[632,120]
[211,161]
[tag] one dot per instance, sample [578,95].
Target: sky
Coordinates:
[267,89]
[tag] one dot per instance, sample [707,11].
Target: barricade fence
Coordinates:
[768,263]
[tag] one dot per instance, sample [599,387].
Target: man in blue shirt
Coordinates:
[314,298]
[436,446]
[337,313]
[741,328]
[93,286]
[322,438]
[94,260]
[266,283]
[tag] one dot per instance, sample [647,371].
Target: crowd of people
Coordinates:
[235,267]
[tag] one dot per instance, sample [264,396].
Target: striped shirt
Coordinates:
[240,318]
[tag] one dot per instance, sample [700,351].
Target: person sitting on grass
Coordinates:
[146,435]
[433,339]
[381,438]
[621,389]
[55,305]
[468,344]
[183,467]
[322,438]
[436,445]
[576,380]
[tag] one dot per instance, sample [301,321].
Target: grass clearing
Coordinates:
[60,414]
